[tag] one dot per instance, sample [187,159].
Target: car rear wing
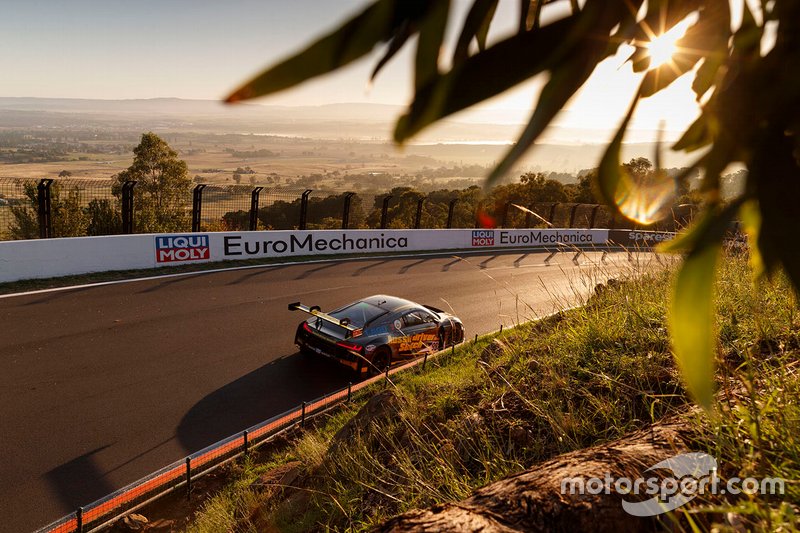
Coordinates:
[314,310]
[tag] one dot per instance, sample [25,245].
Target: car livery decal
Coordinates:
[412,343]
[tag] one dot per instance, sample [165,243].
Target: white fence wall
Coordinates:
[47,258]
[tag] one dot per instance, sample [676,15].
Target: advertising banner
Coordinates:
[42,258]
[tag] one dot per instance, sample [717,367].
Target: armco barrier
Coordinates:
[104,511]
[180,474]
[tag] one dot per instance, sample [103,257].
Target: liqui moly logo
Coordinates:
[172,248]
[484,237]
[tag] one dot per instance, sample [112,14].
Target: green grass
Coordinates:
[584,377]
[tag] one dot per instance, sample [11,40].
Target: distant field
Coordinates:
[210,157]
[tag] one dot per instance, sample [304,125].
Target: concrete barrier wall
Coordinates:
[48,258]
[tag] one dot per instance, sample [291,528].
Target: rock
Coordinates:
[135,522]
[381,407]
[518,438]
[278,478]
[493,350]
[533,500]
[162,525]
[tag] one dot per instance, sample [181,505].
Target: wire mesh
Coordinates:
[93,207]
[226,208]
[18,217]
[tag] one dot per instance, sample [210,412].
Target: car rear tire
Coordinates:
[380,360]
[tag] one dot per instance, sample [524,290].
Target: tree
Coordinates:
[69,218]
[751,112]
[162,186]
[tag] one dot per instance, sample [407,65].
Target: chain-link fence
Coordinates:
[31,209]
[69,207]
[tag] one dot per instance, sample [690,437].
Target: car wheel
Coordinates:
[380,360]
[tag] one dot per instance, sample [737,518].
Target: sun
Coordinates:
[661,48]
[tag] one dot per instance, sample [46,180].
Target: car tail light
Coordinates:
[306,327]
[350,346]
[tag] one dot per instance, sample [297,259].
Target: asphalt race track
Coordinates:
[102,385]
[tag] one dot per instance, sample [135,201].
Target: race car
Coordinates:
[371,334]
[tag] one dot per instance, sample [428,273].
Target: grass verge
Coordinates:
[498,406]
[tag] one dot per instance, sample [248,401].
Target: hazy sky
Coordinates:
[115,49]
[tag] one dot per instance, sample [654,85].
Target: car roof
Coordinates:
[390,303]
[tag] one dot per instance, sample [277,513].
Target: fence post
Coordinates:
[254,208]
[418,218]
[386,375]
[572,215]
[594,215]
[303,415]
[127,207]
[504,222]
[450,212]
[79,520]
[424,360]
[304,208]
[197,206]
[384,210]
[346,212]
[244,436]
[349,391]
[552,216]
[43,198]
[188,478]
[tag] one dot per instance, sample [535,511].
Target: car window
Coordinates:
[417,318]
[359,313]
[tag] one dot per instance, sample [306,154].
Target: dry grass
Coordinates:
[587,376]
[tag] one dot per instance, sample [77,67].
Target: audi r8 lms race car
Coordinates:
[371,334]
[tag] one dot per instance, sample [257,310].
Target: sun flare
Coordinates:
[662,48]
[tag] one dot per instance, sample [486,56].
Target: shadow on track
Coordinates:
[79,480]
[268,391]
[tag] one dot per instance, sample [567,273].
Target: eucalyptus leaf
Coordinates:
[395,45]
[691,322]
[751,221]
[609,176]
[355,38]
[558,90]
[775,174]
[476,26]
[499,67]
[429,45]
[696,136]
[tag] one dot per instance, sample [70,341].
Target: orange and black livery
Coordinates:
[371,334]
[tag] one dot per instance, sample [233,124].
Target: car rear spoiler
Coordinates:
[314,310]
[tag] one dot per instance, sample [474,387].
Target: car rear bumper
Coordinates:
[326,349]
